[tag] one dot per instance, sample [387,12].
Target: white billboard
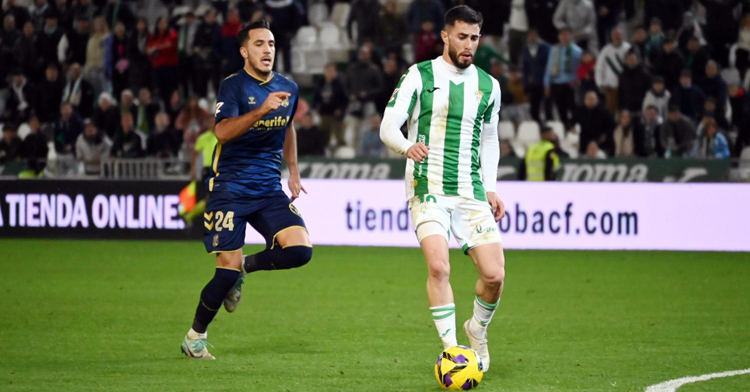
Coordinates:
[648,216]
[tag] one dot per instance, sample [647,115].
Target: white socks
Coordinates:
[444,317]
[483,313]
[195,335]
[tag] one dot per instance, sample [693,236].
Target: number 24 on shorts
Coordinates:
[222,221]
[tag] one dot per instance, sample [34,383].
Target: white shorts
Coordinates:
[471,221]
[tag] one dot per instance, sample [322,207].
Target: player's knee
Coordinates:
[298,256]
[439,270]
[494,279]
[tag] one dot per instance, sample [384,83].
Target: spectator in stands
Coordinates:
[95,55]
[22,98]
[721,29]
[78,92]
[145,112]
[364,81]
[391,77]
[580,17]
[506,150]
[534,60]
[34,147]
[677,134]
[24,49]
[593,151]
[688,96]
[585,74]
[37,10]
[596,125]
[740,104]
[117,12]
[696,59]
[127,143]
[425,41]
[711,110]
[518,27]
[192,120]
[640,43]
[739,55]
[485,55]
[206,65]
[106,117]
[10,145]
[330,102]
[609,66]
[48,40]
[116,59]
[289,16]
[655,43]
[743,137]
[67,129]
[186,34]
[127,102]
[75,42]
[542,159]
[49,95]
[422,10]
[629,129]
[227,48]
[690,29]
[668,64]
[518,110]
[658,96]
[174,106]
[161,48]
[311,140]
[540,14]
[163,141]
[86,9]
[560,76]
[65,13]
[20,14]
[248,8]
[607,18]
[393,29]
[669,12]
[92,147]
[10,33]
[5,67]
[370,144]
[365,13]
[711,143]
[140,67]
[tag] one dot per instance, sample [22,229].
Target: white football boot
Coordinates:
[479,345]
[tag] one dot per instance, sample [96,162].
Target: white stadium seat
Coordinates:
[506,130]
[528,133]
[307,37]
[340,13]
[558,128]
[317,13]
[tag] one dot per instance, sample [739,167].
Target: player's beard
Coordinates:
[259,68]
[457,61]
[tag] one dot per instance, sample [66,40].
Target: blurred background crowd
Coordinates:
[88,81]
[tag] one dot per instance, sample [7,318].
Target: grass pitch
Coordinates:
[110,316]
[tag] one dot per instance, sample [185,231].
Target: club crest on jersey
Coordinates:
[216,240]
[479,94]
[285,103]
[251,100]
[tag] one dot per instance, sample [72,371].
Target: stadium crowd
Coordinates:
[88,80]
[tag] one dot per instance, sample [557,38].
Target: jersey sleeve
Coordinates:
[490,144]
[227,101]
[399,108]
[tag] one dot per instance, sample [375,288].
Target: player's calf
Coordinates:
[293,256]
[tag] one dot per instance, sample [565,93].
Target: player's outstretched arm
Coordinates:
[290,157]
[234,127]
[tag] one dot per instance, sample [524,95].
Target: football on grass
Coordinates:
[458,369]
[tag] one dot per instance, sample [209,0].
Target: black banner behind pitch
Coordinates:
[93,209]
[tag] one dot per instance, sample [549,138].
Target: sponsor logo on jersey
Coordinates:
[481,230]
[275,122]
[432,90]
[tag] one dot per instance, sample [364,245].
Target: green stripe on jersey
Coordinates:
[423,129]
[484,114]
[394,97]
[453,139]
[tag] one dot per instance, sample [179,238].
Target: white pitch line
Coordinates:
[672,385]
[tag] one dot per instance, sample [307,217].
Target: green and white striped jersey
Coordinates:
[454,112]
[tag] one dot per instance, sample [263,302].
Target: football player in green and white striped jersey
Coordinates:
[451,109]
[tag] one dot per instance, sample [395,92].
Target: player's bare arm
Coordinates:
[290,157]
[232,128]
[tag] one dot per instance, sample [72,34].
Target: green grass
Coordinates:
[110,315]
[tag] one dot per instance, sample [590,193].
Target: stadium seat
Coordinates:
[744,166]
[340,13]
[317,13]
[298,60]
[330,36]
[307,37]
[506,130]
[528,133]
[315,61]
[558,128]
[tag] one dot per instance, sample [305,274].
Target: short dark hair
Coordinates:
[544,129]
[674,108]
[657,79]
[464,14]
[244,33]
